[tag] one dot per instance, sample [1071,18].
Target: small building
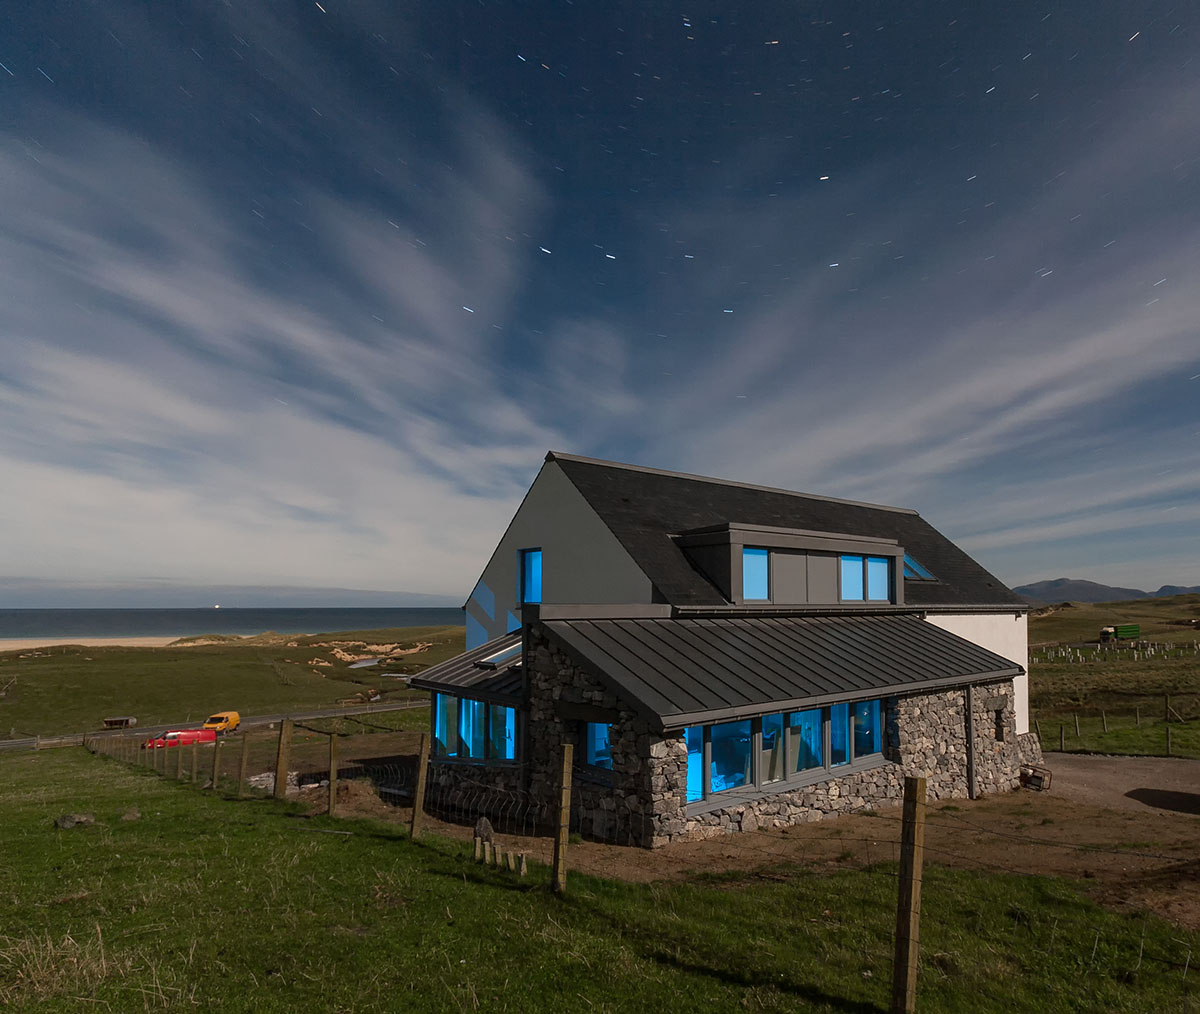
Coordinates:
[727,657]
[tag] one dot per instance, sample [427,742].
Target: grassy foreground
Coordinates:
[72,688]
[251,906]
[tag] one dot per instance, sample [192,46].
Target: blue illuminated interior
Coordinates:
[852,578]
[694,738]
[597,745]
[756,582]
[914,571]
[878,585]
[531,575]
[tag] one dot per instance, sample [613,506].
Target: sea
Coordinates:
[60,623]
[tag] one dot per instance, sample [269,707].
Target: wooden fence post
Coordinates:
[1137,716]
[1168,740]
[195,760]
[281,758]
[1038,728]
[908,911]
[1062,737]
[1166,707]
[559,882]
[178,765]
[1076,724]
[242,765]
[1104,720]
[333,773]
[216,768]
[418,813]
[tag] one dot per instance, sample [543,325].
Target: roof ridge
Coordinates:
[562,456]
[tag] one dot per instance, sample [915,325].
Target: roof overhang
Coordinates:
[487,673]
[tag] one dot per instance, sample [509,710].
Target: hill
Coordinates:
[1066,589]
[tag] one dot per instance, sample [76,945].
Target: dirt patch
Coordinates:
[1088,826]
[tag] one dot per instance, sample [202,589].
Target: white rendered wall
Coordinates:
[1007,635]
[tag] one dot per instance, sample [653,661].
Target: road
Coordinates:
[249,721]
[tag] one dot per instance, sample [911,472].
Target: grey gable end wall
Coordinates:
[582,561]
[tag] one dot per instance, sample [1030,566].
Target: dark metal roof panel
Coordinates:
[464,676]
[678,669]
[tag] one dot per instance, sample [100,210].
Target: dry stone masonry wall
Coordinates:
[644,801]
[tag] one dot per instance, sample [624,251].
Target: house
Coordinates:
[727,657]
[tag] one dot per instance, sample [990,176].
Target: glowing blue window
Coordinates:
[852,578]
[693,736]
[597,745]
[730,745]
[471,728]
[772,748]
[839,734]
[531,575]
[868,738]
[502,732]
[756,584]
[805,742]
[914,571]
[445,725]
[878,585]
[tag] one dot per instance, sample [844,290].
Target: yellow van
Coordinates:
[224,721]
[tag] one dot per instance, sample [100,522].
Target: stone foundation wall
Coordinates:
[644,803]
[1030,748]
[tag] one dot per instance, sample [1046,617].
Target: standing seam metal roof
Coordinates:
[683,671]
[464,676]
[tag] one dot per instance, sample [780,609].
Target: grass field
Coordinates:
[71,688]
[252,906]
[1118,681]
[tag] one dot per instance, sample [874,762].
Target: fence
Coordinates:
[836,888]
[1169,727]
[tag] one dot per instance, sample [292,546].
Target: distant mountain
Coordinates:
[1065,589]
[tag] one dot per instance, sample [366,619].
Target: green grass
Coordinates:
[246,906]
[1165,619]
[1123,737]
[72,688]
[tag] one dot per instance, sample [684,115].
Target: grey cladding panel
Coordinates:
[822,578]
[789,577]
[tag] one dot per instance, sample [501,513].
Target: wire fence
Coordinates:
[1009,892]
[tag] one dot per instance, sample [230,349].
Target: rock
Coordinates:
[70,820]
[133,813]
[484,830]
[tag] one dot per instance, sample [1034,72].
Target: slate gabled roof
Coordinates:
[644,507]
[681,672]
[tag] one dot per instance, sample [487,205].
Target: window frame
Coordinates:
[865,560]
[455,751]
[524,557]
[758,787]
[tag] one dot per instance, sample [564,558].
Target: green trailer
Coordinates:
[1121,632]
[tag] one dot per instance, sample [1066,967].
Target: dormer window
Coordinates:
[865,578]
[756,575]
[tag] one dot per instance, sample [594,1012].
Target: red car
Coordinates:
[180,737]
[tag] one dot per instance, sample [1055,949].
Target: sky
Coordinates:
[298,295]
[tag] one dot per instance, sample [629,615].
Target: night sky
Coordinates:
[301,294]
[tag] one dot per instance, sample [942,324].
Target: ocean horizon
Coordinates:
[60,623]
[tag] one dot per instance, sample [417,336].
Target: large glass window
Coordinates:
[502,733]
[756,575]
[839,734]
[445,725]
[597,745]
[852,578]
[804,732]
[531,575]
[868,736]
[730,756]
[772,749]
[472,716]
[693,736]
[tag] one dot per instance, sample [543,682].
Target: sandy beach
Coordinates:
[25,643]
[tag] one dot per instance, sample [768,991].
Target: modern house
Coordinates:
[727,657]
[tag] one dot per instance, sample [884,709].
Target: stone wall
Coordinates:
[644,802]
